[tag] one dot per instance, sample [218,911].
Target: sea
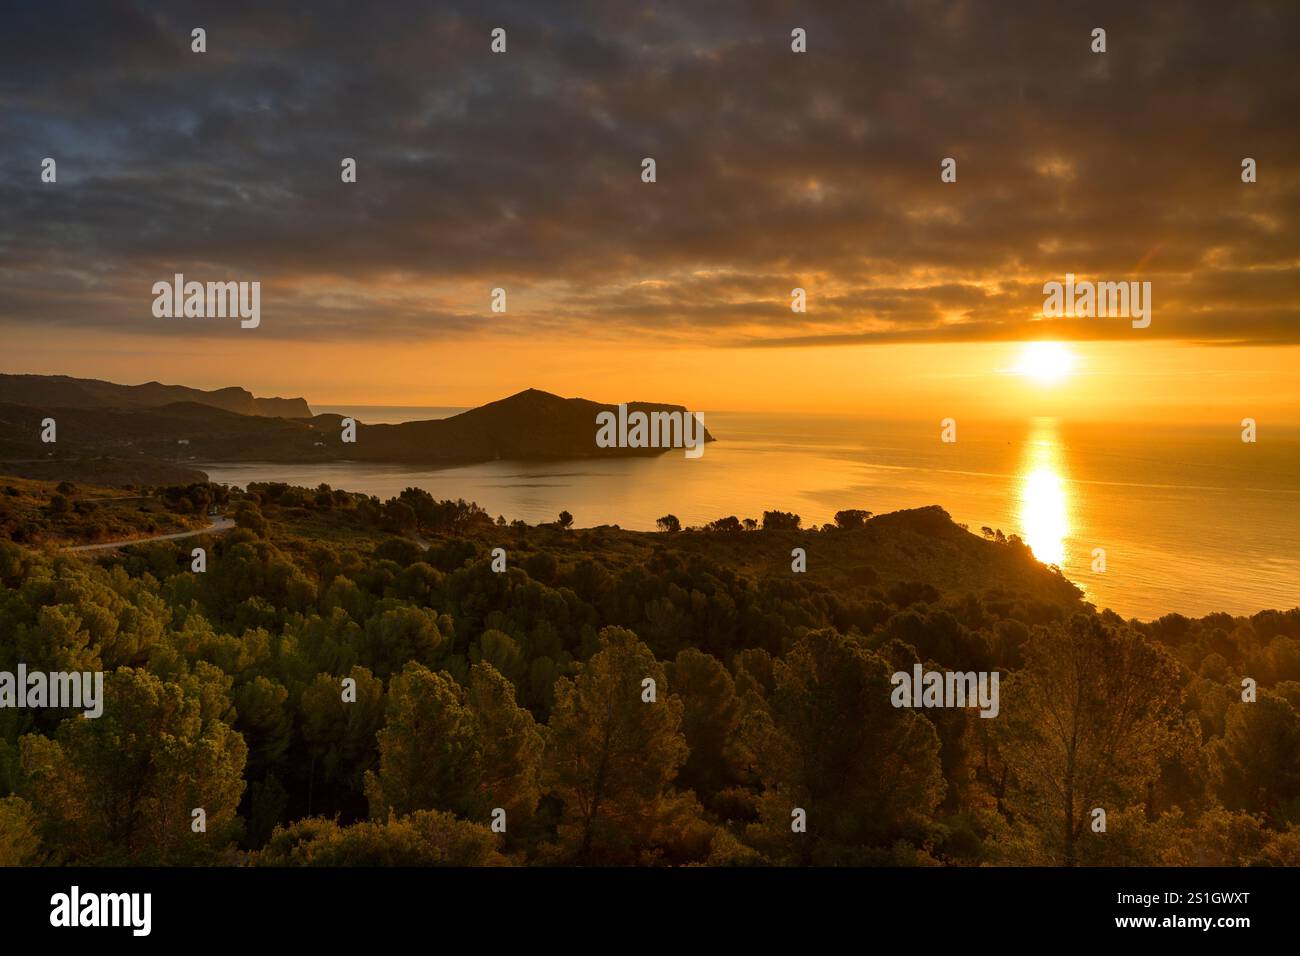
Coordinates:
[1147,520]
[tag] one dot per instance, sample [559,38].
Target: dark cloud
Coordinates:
[775,169]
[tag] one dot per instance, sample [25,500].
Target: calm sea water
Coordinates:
[1192,520]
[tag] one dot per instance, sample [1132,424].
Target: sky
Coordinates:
[774,170]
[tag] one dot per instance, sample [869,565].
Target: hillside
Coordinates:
[769,682]
[63,391]
[529,425]
[106,471]
[38,513]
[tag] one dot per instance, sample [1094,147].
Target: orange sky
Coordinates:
[1132,381]
[819,170]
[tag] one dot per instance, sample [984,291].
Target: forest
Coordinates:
[349,681]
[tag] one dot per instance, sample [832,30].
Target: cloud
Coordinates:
[775,170]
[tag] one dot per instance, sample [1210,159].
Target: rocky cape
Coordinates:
[529,425]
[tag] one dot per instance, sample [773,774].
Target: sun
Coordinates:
[1046,363]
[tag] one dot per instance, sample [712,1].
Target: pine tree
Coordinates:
[1084,725]
[831,743]
[612,756]
[121,788]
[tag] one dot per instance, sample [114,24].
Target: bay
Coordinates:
[1191,520]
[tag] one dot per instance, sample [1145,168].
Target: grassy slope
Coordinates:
[119,517]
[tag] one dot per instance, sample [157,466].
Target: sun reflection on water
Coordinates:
[1044,505]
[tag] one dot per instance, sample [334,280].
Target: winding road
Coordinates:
[218,525]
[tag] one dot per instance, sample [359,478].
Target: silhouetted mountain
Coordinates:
[63,391]
[530,425]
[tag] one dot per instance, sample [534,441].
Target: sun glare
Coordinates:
[1046,363]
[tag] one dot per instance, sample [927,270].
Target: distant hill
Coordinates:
[63,391]
[529,425]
